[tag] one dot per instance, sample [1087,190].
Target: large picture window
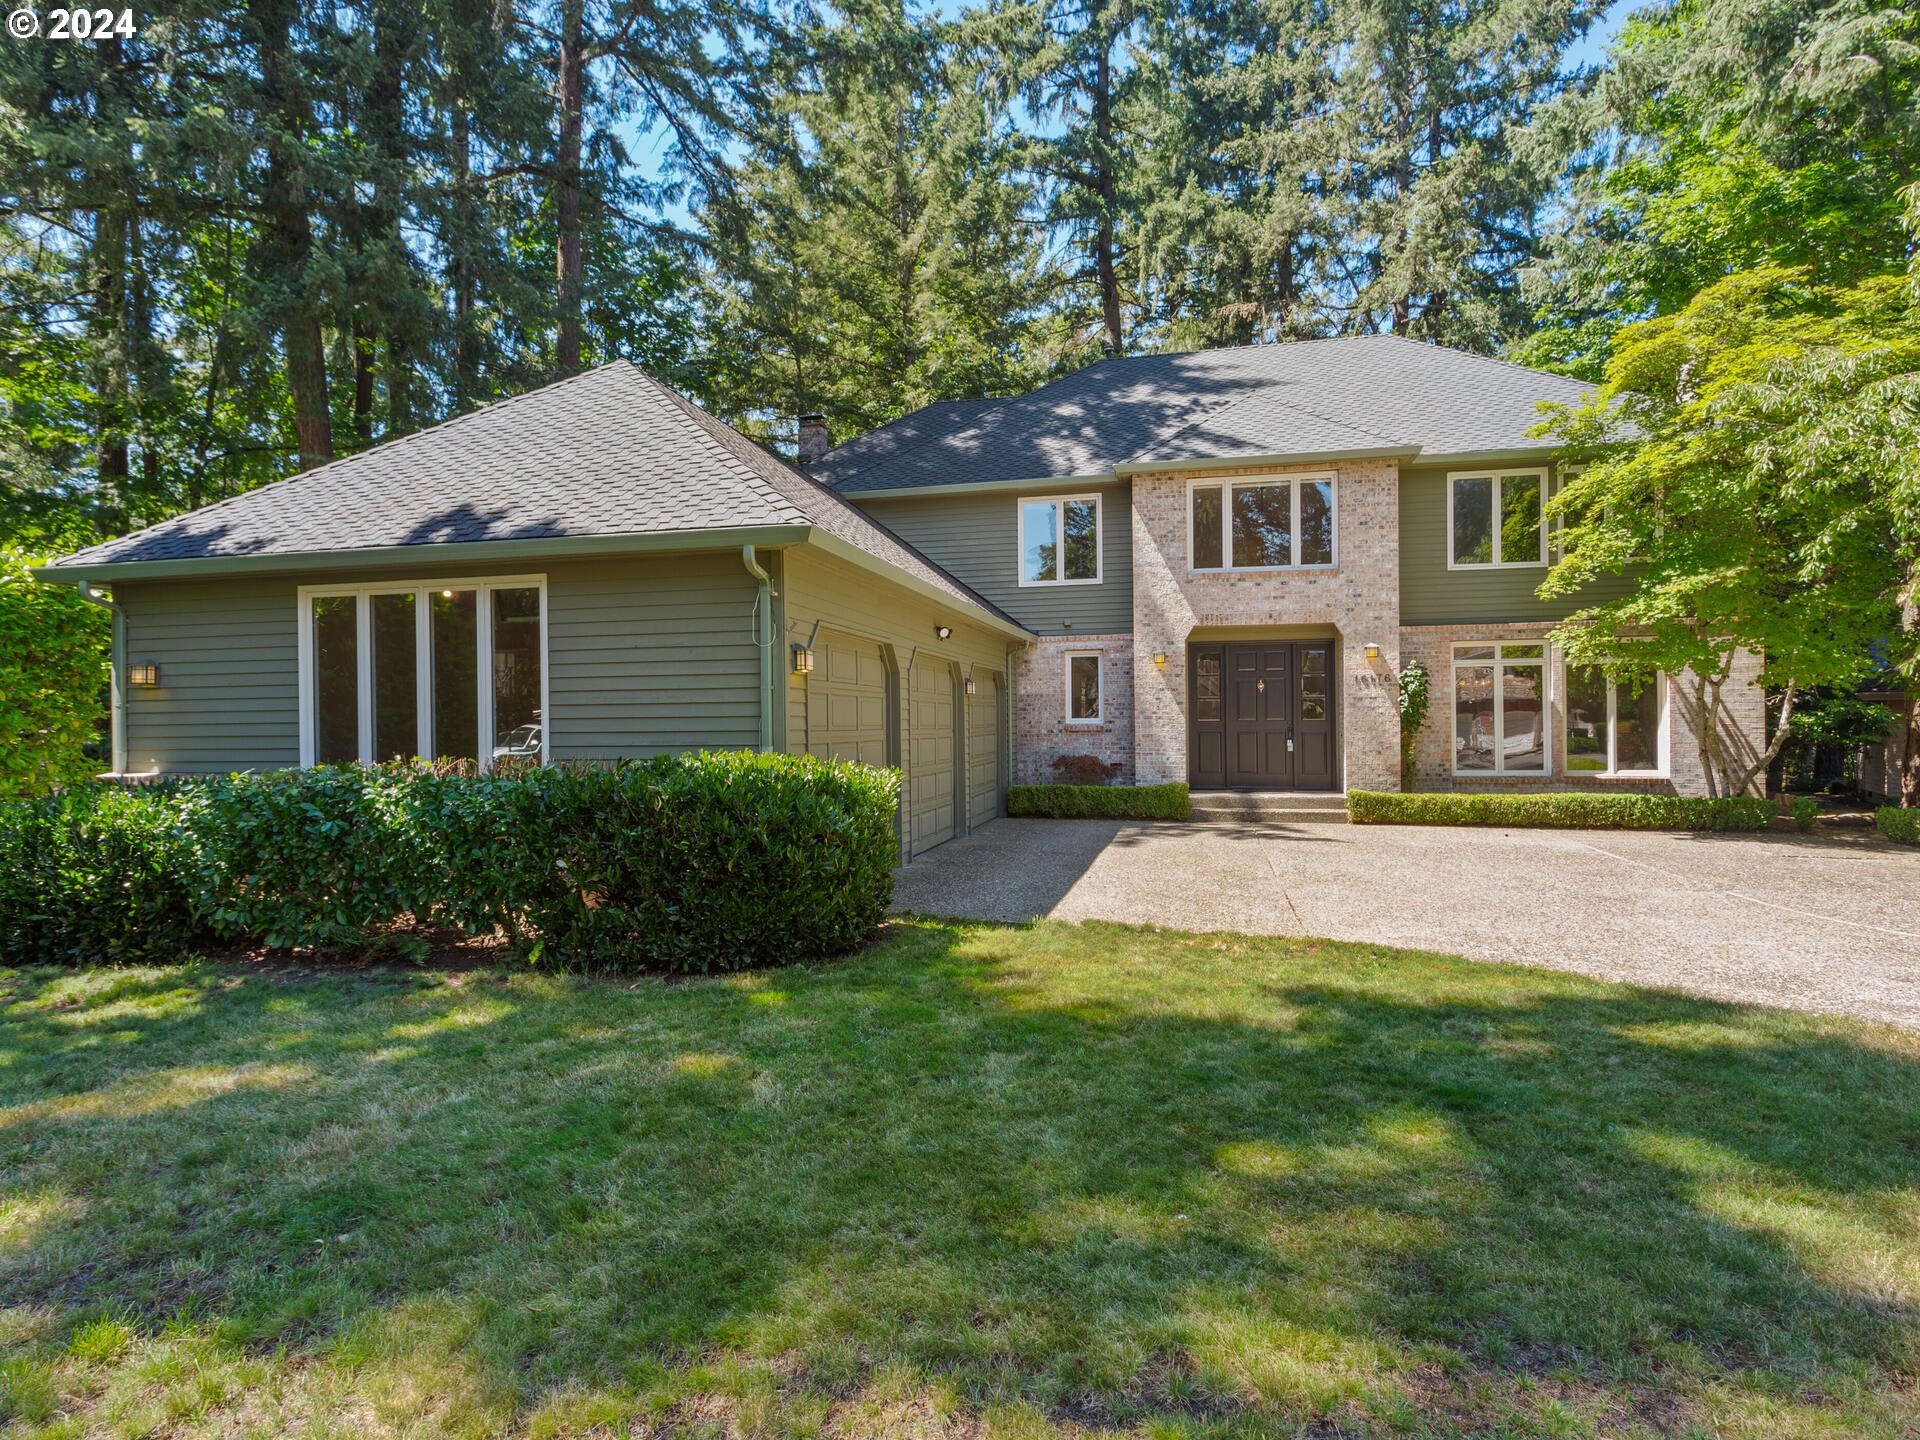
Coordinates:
[1614,727]
[1060,541]
[427,669]
[1269,524]
[1497,519]
[1500,709]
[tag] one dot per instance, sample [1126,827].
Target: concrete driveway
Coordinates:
[1815,923]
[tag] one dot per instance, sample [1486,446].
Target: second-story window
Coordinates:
[1269,524]
[1060,541]
[1497,519]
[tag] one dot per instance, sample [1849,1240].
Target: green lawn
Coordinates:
[975,1181]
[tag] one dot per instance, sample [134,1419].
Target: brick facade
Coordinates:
[1041,731]
[1358,600]
[1432,645]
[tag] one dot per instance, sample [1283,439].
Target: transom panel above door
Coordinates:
[1260,716]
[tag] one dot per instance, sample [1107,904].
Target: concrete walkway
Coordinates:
[1815,923]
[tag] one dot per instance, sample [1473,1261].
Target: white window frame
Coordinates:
[1498,477]
[363,594]
[1663,749]
[1066,676]
[1548,667]
[1226,486]
[1059,504]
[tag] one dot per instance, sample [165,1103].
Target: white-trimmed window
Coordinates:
[1500,708]
[1496,518]
[1086,688]
[1060,541]
[1614,727]
[1279,522]
[453,669]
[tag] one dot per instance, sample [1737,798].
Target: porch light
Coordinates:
[943,631]
[802,660]
[147,677]
[972,689]
[1373,650]
[1159,659]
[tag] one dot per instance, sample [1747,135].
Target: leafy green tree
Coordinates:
[53,671]
[1754,461]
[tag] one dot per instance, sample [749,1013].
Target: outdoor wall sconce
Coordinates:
[147,677]
[1160,660]
[943,631]
[1373,651]
[972,689]
[802,660]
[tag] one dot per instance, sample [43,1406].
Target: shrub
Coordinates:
[1086,770]
[95,873]
[1416,694]
[700,862]
[1898,824]
[319,857]
[1805,810]
[1099,802]
[1563,811]
[53,676]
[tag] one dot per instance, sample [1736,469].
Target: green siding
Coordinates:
[229,676]
[1431,594]
[977,538]
[652,655]
[645,655]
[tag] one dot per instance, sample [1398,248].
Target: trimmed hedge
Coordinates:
[689,863]
[95,873]
[1805,810]
[1099,802]
[1562,811]
[1898,824]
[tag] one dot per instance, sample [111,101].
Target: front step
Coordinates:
[1290,807]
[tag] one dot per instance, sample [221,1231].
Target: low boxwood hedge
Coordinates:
[1898,824]
[1099,802]
[690,863]
[1577,811]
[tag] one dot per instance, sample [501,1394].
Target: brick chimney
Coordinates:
[814,440]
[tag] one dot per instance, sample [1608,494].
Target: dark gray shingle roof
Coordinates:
[1356,393]
[608,452]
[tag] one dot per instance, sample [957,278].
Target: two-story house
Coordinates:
[1205,567]
[1226,557]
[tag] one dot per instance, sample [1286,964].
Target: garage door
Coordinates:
[930,765]
[847,702]
[986,750]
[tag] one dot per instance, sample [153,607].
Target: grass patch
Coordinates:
[974,1182]
[1099,802]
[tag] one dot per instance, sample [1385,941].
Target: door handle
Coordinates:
[1289,744]
[1261,686]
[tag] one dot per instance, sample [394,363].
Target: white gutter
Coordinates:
[763,638]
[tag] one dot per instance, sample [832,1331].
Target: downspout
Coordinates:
[116,673]
[763,637]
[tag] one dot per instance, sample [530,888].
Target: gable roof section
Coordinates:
[611,452]
[1382,394]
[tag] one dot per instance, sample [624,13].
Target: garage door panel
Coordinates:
[986,770]
[847,702]
[931,787]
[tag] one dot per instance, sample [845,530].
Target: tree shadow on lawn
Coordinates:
[1105,1173]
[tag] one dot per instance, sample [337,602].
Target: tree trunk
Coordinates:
[571,95]
[1105,265]
[1910,755]
[386,127]
[109,326]
[364,352]
[288,231]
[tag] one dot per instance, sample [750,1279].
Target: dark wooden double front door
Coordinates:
[1261,716]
